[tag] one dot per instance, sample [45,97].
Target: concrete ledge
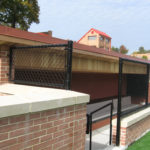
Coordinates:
[23,99]
[134,118]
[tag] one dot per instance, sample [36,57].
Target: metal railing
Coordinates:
[90,122]
[44,65]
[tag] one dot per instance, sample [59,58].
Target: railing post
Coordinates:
[69,65]
[119,101]
[90,125]
[87,124]
[111,113]
[147,83]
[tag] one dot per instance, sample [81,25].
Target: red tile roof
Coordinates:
[101,33]
[97,31]
[51,40]
[29,35]
[40,33]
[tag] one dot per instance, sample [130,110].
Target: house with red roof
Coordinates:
[96,38]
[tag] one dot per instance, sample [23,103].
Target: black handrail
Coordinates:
[89,122]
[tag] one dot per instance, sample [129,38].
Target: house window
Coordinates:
[107,40]
[101,38]
[91,37]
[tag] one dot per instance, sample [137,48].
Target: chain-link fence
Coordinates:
[47,65]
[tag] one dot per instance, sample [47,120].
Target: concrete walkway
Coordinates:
[100,139]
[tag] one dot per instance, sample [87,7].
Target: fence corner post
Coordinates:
[69,65]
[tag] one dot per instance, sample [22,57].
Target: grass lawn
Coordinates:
[141,144]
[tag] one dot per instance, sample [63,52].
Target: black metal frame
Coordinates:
[90,122]
[119,113]
[68,48]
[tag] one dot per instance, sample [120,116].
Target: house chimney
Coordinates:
[50,33]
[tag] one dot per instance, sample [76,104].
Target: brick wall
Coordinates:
[4,64]
[58,129]
[133,132]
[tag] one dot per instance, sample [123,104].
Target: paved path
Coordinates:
[100,139]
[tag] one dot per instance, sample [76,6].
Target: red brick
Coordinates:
[34,116]
[17,119]
[57,134]
[63,126]
[40,121]
[59,122]
[3,136]
[52,130]
[3,122]
[20,132]
[57,145]
[46,137]
[47,125]
[42,145]
[8,128]
[48,148]
[31,136]
[30,148]
[8,143]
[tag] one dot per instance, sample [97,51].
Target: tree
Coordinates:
[141,50]
[19,13]
[145,57]
[123,49]
[115,49]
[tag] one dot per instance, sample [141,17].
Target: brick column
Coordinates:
[57,129]
[4,64]
[123,136]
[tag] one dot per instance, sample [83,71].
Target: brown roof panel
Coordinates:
[29,35]
[109,53]
[51,40]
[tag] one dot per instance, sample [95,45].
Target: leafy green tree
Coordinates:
[19,13]
[141,50]
[145,57]
[115,49]
[123,49]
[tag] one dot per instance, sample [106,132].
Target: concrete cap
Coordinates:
[23,99]
[133,118]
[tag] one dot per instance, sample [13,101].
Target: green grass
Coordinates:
[141,144]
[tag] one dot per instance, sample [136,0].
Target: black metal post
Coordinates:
[87,124]
[10,63]
[111,113]
[90,144]
[147,83]
[119,102]
[69,65]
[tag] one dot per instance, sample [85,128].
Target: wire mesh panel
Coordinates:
[40,65]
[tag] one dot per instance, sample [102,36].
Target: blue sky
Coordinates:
[126,21]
